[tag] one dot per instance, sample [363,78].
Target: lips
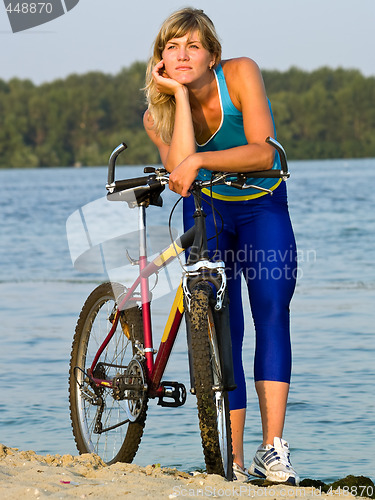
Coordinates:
[183,68]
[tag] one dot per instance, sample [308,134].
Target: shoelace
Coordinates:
[281,456]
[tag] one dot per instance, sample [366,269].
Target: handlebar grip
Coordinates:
[266,174]
[129,183]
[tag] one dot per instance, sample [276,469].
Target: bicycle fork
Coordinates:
[200,270]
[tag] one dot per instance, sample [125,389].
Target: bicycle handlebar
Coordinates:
[131,183]
[282,154]
[112,162]
[221,177]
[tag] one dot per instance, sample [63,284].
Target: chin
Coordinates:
[184,79]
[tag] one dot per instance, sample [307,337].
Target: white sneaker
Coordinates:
[273,463]
[240,474]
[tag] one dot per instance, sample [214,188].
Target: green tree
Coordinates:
[327,113]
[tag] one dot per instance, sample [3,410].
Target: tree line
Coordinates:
[327,113]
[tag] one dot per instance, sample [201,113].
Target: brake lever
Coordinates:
[237,184]
[158,171]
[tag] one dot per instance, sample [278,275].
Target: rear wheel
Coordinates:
[212,400]
[107,421]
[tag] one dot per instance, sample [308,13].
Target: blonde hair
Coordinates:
[162,106]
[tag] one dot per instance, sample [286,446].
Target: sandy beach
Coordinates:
[26,475]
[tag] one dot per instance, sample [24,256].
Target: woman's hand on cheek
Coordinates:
[182,177]
[164,83]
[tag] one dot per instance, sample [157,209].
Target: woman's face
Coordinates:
[186,60]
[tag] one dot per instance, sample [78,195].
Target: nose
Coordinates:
[182,54]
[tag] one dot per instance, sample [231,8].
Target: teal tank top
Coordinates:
[231,134]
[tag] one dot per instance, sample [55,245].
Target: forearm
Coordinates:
[246,158]
[250,157]
[183,138]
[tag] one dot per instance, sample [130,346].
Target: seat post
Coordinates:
[145,292]
[142,231]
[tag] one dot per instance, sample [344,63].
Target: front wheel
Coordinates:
[106,420]
[212,399]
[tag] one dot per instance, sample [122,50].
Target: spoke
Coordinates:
[113,415]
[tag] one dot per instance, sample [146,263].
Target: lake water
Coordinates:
[331,412]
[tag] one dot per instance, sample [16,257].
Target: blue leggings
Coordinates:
[257,242]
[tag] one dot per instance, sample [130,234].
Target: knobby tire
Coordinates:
[121,443]
[216,438]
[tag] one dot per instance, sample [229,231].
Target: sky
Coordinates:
[107,35]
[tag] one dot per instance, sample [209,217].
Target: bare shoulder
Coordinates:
[239,63]
[241,68]
[244,79]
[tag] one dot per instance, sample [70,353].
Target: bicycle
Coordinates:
[113,369]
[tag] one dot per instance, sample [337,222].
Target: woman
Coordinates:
[206,114]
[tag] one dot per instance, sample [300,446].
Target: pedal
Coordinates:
[172,391]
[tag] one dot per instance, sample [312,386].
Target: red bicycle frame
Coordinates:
[154,368]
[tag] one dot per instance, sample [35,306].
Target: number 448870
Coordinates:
[30,8]
[358,491]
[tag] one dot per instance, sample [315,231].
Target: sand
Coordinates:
[26,475]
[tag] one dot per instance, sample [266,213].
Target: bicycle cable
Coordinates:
[171,235]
